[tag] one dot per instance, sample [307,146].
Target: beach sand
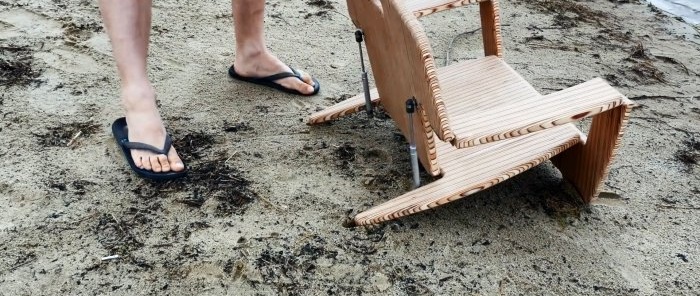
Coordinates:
[262,209]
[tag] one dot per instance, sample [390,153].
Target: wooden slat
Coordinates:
[467,171]
[491,28]
[346,107]
[477,91]
[488,11]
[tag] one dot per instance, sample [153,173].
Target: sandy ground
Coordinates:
[262,210]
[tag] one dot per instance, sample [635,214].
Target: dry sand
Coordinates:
[262,210]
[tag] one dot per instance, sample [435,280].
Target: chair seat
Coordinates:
[486,101]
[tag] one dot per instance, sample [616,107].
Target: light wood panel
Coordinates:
[489,12]
[477,91]
[417,59]
[392,74]
[467,171]
[352,105]
[587,165]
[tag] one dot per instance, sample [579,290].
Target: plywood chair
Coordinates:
[479,121]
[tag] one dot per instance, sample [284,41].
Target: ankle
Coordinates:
[138,97]
[248,52]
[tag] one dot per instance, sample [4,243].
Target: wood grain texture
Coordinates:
[477,91]
[489,12]
[416,53]
[467,171]
[352,105]
[393,76]
[587,165]
[498,125]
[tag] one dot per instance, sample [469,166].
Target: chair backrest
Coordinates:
[415,56]
[392,75]
[401,17]
[403,63]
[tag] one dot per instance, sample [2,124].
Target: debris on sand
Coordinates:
[114,235]
[67,134]
[647,72]
[209,176]
[690,154]
[324,5]
[237,127]
[568,13]
[194,145]
[321,4]
[345,154]
[644,70]
[16,66]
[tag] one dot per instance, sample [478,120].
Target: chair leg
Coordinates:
[491,28]
[408,203]
[586,165]
[347,107]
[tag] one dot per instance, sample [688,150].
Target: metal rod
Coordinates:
[359,37]
[411,105]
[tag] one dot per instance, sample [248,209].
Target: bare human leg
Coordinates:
[128,23]
[253,59]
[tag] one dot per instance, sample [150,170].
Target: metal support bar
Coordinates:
[359,37]
[411,106]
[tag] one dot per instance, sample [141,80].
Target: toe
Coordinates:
[164,164]
[299,85]
[146,163]
[307,78]
[175,162]
[137,160]
[155,164]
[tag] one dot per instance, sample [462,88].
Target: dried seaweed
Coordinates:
[61,136]
[568,13]
[690,154]
[16,67]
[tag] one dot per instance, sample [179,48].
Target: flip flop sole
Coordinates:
[272,84]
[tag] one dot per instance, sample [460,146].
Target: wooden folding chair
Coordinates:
[490,122]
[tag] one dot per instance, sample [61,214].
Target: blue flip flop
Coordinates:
[269,81]
[121,134]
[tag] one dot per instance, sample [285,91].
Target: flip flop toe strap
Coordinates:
[278,76]
[142,146]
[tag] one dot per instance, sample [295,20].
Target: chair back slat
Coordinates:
[415,59]
[393,75]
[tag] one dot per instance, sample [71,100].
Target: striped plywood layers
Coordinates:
[392,75]
[346,107]
[419,8]
[587,165]
[382,49]
[491,28]
[467,171]
[401,18]
[498,124]
[478,91]
[415,52]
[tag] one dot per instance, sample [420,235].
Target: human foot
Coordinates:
[145,126]
[263,68]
